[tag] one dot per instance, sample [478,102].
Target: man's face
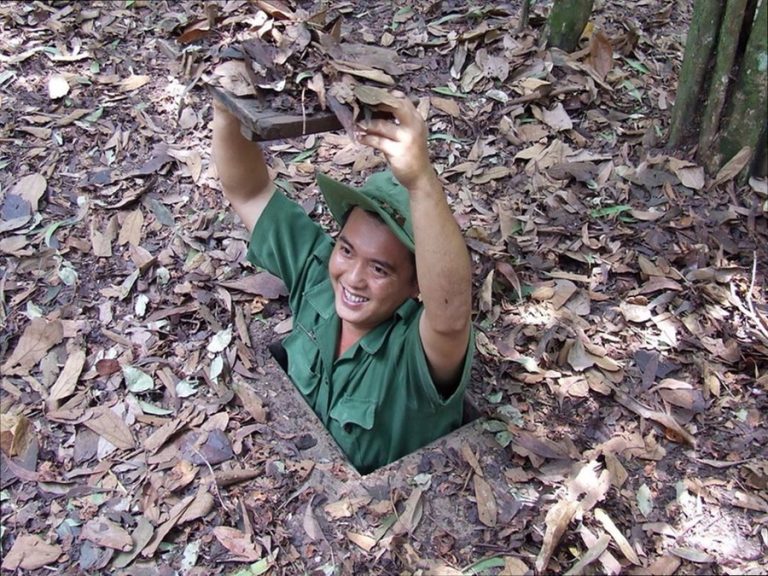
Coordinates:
[371,271]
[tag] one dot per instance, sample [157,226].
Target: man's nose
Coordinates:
[356,274]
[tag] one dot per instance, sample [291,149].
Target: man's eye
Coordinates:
[345,250]
[379,271]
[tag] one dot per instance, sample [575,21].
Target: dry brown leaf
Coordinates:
[635,312]
[141,535]
[364,72]
[30,552]
[733,166]
[13,433]
[130,231]
[365,542]
[611,566]
[251,402]
[173,517]
[623,544]
[238,543]
[67,381]
[564,289]
[600,54]
[111,427]
[104,532]
[133,82]
[373,96]
[578,357]
[346,507]
[31,187]
[471,459]
[557,520]
[515,567]
[260,284]
[199,507]
[411,516]
[39,336]
[310,523]
[486,502]
[667,564]
[556,118]
[446,105]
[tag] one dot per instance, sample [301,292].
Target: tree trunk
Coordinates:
[724,59]
[698,51]
[566,23]
[746,116]
[724,75]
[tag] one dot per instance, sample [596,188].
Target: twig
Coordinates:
[537,94]
[749,310]
[750,303]
[213,478]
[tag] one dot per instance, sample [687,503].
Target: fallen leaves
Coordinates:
[30,552]
[39,336]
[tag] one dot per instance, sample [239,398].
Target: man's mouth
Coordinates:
[351,298]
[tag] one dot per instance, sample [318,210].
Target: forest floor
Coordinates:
[620,302]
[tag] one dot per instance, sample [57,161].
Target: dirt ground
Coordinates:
[620,308]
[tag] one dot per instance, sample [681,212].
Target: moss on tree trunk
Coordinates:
[566,23]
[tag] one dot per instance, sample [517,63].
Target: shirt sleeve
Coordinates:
[287,243]
[415,360]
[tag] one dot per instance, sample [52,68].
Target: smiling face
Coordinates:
[371,271]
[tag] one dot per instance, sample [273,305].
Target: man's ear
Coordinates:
[415,292]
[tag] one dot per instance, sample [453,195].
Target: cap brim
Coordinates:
[341,198]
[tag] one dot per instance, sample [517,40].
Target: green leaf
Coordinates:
[494,425]
[637,65]
[255,569]
[186,388]
[504,438]
[137,381]
[163,215]
[487,564]
[68,275]
[301,156]
[303,76]
[446,137]
[609,210]
[148,408]
[632,89]
[495,397]
[512,413]
[446,91]
[644,500]
[95,115]
[217,367]
[220,340]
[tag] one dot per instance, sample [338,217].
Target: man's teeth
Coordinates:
[354,298]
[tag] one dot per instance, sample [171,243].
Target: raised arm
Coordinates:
[240,164]
[442,260]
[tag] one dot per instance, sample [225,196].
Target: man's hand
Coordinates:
[402,141]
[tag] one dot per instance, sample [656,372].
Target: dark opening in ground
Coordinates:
[470,412]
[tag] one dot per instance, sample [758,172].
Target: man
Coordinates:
[384,372]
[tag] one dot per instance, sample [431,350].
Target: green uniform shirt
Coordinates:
[377,400]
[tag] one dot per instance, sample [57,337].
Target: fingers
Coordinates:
[380,128]
[389,148]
